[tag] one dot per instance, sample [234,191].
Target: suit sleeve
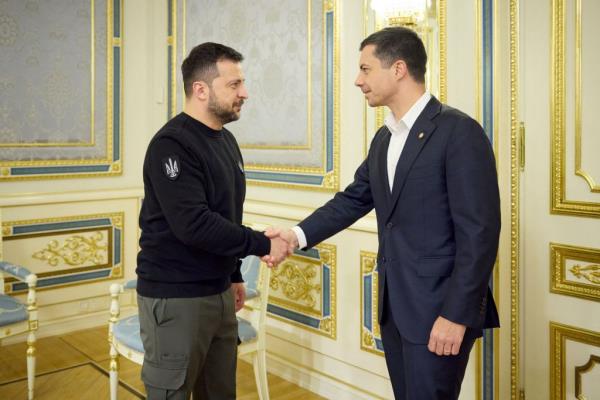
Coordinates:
[474,201]
[342,211]
[184,203]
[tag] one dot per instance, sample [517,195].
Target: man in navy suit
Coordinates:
[430,175]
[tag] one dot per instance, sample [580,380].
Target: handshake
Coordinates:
[283,244]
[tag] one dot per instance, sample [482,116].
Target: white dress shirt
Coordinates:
[399,129]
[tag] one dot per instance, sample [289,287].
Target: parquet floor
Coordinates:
[75,366]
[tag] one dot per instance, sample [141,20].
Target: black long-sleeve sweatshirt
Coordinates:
[192,238]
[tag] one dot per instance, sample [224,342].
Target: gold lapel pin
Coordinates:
[421,135]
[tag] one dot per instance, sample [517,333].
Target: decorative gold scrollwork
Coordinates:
[367,339]
[588,272]
[76,250]
[296,282]
[325,325]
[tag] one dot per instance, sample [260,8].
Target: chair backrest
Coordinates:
[257,275]
[251,272]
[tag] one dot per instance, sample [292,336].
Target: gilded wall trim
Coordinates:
[64,266]
[559,334]
[515,351]
[76,250]
[558,201]
[582,370]
[370,333]
[111,163]
[584,282]
[579,171]
[303,290]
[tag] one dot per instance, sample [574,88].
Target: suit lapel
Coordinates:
[382,160]
[418,136]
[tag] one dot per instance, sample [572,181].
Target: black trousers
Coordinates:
[415,372]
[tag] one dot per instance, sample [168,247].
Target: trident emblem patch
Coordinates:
[171,167]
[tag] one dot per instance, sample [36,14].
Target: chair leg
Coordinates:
[259,364]
[114,376]
[30,364]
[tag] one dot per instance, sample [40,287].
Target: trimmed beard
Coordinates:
[224,114]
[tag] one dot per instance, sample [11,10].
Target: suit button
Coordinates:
[389,225]
[383,260]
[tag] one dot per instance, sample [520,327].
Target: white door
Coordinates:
[559,231]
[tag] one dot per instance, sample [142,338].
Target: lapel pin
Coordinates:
[421,135]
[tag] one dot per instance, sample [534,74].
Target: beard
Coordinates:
[223,112]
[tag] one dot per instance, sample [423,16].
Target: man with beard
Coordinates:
[189,281]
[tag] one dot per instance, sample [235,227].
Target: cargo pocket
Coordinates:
[169,375]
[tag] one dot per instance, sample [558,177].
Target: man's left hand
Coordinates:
[239,295]
[446,337]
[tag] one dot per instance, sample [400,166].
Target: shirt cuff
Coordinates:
[300,236]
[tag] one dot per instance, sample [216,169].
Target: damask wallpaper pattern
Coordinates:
[288,130]
[59,104]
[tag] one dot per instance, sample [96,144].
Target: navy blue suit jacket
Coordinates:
[439,228]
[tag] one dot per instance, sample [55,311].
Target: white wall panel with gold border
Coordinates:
[77,245]
[557,208]
[575,165]
[575,271]
[575,364]
[289,130]
[142,110]
[142,96]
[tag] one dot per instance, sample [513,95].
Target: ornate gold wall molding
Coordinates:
[579,171]
[52,159]
[585,276]
[559,202]
[303,290]
[97,258]
[515,356]
[297,283]
[370,334]
[75,250]
[559,334]
[582,370]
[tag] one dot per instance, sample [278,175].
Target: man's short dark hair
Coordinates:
[201,63]
[399,43]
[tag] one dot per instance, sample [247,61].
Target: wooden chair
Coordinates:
[124,334]
[17,318]
[253,330]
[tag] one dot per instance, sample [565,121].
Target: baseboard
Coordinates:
[315,381]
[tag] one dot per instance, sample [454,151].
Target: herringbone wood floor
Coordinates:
[75,366]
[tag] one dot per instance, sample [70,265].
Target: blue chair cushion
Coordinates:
[132,284]
[246,331]
[127,331]
[11,311]
[251,293]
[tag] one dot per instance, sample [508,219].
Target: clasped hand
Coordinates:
[283,244]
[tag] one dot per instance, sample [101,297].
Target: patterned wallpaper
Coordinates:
[287,123]
[53,88]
